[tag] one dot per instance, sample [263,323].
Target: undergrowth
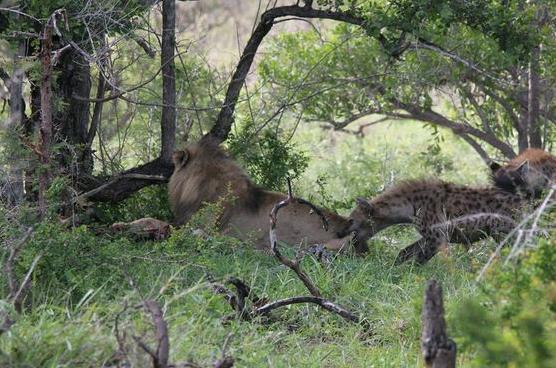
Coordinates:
[88,282]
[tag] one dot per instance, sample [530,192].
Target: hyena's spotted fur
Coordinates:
[442,213]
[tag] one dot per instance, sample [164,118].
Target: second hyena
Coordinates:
[529,173]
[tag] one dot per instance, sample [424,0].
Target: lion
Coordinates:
[204,173]
[531,172]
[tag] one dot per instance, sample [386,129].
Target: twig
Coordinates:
[535,214]
[232,299]
[160,356]
[226,361]
[21,292]
[10,262]
[161,333]
[123,92]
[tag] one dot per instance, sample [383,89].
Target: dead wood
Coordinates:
[17,289]
[438,350]
[262,307]
[292,264]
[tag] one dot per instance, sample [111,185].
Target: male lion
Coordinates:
[204,173]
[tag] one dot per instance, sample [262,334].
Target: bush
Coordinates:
[269,159]
[511,323]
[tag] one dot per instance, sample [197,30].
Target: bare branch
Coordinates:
[477,147]
[17,299]
[143,177]
[123,92]
[292,264]
[425,45]
[124,185]
[12,258]
[431,116]
[321,302]
[161,328]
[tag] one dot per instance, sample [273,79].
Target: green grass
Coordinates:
[76,329]
[83,282]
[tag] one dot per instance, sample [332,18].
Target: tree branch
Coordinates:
[117,188]
[225,119]
[477,147]
[321,302]
[430,116]
[292,264]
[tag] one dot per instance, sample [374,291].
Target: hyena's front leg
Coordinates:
[410,251]
[423,249]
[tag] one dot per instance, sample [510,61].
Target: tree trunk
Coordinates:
[45,130]
[533,122]
[17,115]
[71,122]
[168,122]
[438,350]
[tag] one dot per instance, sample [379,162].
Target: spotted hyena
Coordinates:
[442,213]
[529,173]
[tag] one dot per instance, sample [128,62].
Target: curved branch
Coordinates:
[225,119]
[321,302]
[477,147]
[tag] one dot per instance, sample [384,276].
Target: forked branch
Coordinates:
[238,301]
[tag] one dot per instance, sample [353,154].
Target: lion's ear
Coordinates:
[180,158]
[364,205]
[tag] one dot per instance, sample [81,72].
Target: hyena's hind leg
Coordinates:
[471,228]
[464,230]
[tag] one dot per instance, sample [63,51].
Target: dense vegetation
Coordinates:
[395,90]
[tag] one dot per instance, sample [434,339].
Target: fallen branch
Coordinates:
[321,302]
[117,188]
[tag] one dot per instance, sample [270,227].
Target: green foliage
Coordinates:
[512,322]
[110,16]
[268,158]
[348,71]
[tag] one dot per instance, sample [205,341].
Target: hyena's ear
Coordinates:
[364,205]
[523,169]
[494,166]
[180,158]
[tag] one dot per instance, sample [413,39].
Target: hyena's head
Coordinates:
[524,179]
[360,222]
